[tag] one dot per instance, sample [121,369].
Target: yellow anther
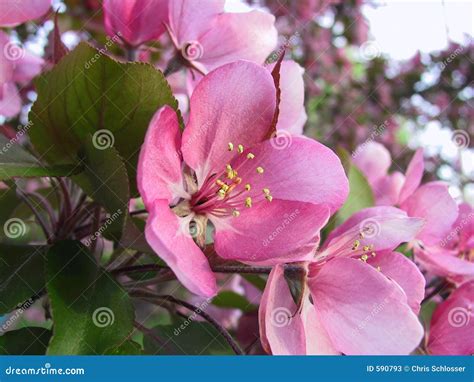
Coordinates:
[225,187]
[235,213]
[266,191]
[240,149]
[269,197]
[364,258]
[238,180]
[248,187]
[228,167]
[230,146]
[221,193]
[356,245]
[250,156]
[219,182]
[248,202]
[260,170]
[373,254]
[366,248]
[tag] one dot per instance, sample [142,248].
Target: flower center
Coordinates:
[226,193]
[192,50]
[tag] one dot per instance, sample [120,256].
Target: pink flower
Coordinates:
[364,297]
[14,12]
[453,257]
[135,21]
[17,66]
[452,324]
[430,201]
[265,203]
[206,37]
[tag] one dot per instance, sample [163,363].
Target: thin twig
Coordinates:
[443,284]
[217,269]
[37,215]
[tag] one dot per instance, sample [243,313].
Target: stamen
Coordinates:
[247,187]
[230,146]
[248,202]
[266,191]
[250,156]
[260,170]
[240,149]
[269,197]
[356,245]
[235,213]
[364,258]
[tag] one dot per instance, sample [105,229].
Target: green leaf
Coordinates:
[26,341]
[360,195]
[186,337]
[129,347]
[21,275]
[16,162]
[91,311]
[257,281]
[105,180]
[89,94]
[232,300]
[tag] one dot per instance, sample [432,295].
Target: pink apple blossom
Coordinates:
[14,12]
[206,36]
[453,257]
[430,201]
[364,296]
[265,203]
[17,66]
[452,324]
[135,21]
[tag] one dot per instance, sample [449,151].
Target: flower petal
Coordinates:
[169,238]
[159,165]
[10,101]
[413,176]
[362,311]
[15,12]
[238,36]
[387,189]
[27,68]
[452,324]
[373,159]
[404,272]
[271,233]
[234,103]
[433,203]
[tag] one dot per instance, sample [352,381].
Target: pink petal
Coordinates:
[382,228]
[6,65]
[387,189]
[15,12]
[292,115]
[234,103]
[444,262]
[10,101]
[452,325]
[363,311]
[159,165]
[404,272]
[413,175]
[27,68]
[234,36]
[287,173]
[281,331]
[170,239]
[433,203]
[373,159]
[189,19]
[271,233]
[135,21]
